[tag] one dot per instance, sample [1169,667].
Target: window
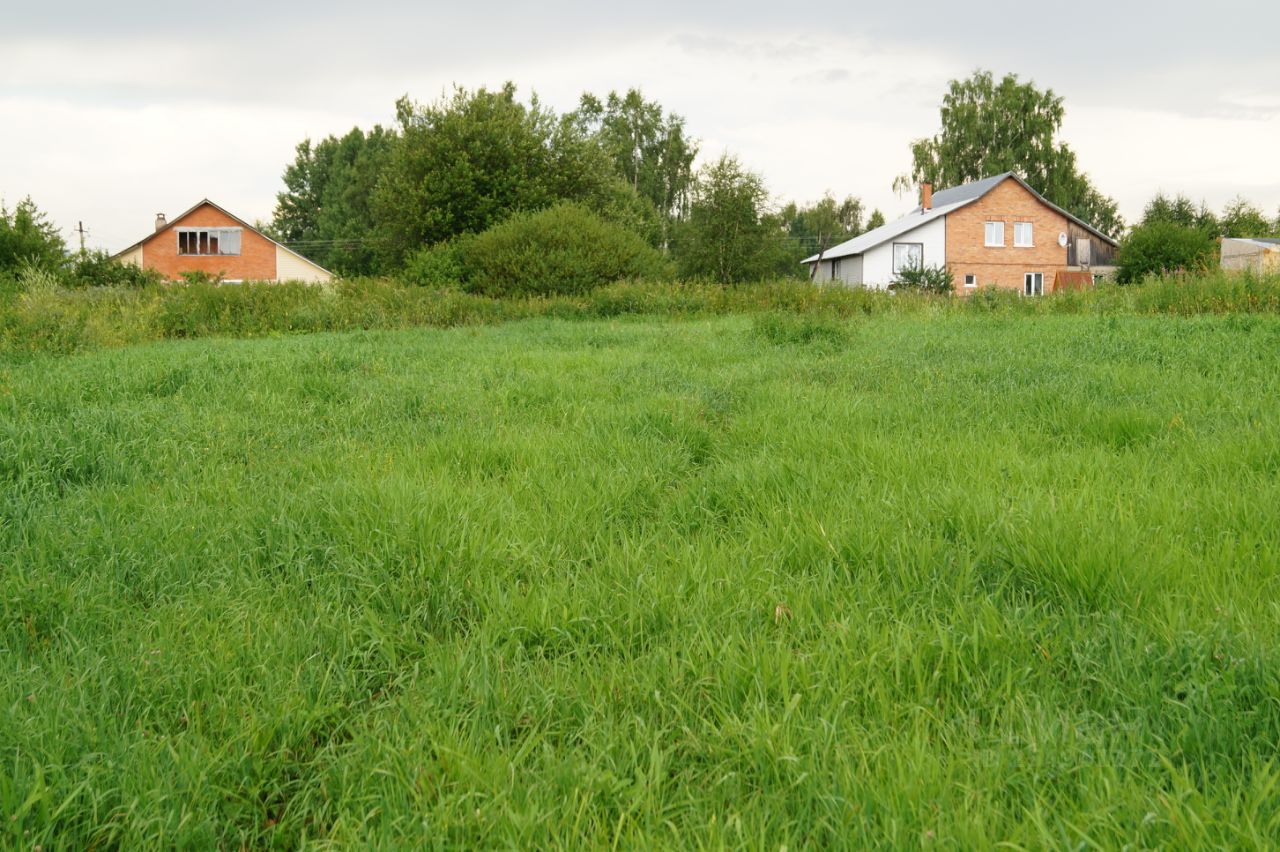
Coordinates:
[1022,234]
[1033,284]
[970,281]
[209,241]
[835,269]
[995,234]
[907,256]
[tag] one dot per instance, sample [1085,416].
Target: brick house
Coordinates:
[208,239]
[994,232]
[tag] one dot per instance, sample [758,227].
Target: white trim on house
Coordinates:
[945,201]
[301,269]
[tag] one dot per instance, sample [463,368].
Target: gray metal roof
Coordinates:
[1268,243]
[969,191]
[886,232]
[944,202]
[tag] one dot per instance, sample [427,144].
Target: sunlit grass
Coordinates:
[768,580]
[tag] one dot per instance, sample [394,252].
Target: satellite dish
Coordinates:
[1062,239]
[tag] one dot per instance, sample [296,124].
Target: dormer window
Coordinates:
[209,241]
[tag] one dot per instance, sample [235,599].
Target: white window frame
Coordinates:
[896,267]
[202,239]
[970,281]
[835,269]
[1033,284]
[1019,228]
[988,227]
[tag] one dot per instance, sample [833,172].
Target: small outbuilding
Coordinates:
[210,240]
[1259,255]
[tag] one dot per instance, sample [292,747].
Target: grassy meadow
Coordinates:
[942,578]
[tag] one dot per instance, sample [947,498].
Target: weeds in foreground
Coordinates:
[74,320]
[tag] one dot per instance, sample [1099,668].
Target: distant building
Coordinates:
[994,232]
[208,239]
[1260,255]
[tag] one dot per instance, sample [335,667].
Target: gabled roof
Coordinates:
[1268,243]
[944,201]
[225,212]
[876,236]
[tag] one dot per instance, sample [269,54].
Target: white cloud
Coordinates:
[110,130]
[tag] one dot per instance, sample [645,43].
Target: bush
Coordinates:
[1164,247]
[97,269]
[925,279]
[440,265]
[563,250]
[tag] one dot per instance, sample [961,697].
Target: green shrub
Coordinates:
[925,279]
[440,265]
[98,269]
[199,276]
[991,299]
[563,250]
[1164,247]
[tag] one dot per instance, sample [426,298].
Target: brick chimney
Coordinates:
[160,221]
[926,197]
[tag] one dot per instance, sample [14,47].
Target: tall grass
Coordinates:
[906,580]
[52,320]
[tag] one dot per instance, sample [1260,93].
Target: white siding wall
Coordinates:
[132,257]
[291,267]
[850,271]
[877,268]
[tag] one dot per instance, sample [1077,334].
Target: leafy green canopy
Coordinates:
[467,162]
[989,128]
[564,250]
[730,236]
[649,149]
[1161,247]
[325,210]
[364,202]
[823,224]
[1240,217]
[28,237]
[1181,211]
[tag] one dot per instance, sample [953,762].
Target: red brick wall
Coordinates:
[256,262]
[1004,267]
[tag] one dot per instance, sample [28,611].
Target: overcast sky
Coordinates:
[110,113]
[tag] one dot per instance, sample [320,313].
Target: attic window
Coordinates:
[209,241]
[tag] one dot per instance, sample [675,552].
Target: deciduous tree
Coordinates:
[989,128]
[472,159]
[1181,211]
[325,211]
[730,236]
[1240,218]
[649,148]
[1161,247]
[27,236]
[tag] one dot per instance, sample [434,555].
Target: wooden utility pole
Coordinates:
[80,229]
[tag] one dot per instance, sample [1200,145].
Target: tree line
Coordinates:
[369,201]
[414,199]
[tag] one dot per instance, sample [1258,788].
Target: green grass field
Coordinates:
[744,581]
